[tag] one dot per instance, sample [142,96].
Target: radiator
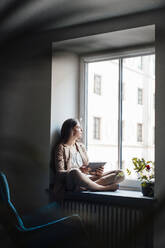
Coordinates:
[111,226]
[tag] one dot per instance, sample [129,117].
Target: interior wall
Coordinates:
[25,93]
[25,123]
[160,134]
[64,90]
[64,95]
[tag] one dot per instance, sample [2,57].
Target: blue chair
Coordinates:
[66,231]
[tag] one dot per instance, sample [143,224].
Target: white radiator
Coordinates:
[111,226]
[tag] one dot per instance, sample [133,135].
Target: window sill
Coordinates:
[120,197]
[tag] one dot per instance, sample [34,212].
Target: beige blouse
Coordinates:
[63,157]
[64,163]
[76,160]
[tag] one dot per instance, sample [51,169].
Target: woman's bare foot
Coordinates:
[79,189]
[111,187]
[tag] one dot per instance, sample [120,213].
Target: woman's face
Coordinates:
[77,131]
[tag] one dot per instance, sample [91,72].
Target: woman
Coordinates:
[72,172]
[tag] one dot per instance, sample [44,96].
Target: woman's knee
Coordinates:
[72,179]
[120,175]
[74,173]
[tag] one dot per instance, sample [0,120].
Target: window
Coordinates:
[153,100]
[97,84]
[124,130]
[123,91]
[96,127]
[140,63]
[123,164]
[135,64]
[140,96]
[139,132]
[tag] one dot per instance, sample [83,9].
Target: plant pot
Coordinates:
[148,189]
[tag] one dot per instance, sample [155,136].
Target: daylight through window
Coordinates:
[120,114]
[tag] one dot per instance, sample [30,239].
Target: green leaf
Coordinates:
[144,178]
[143,184]
[128,171]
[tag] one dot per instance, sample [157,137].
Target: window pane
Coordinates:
[138,113]
[102,136]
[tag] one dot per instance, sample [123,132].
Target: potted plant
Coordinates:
[145,173]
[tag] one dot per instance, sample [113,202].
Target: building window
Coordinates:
[97,84]
[140,64]
[139,132]
[140,96]
[96,128]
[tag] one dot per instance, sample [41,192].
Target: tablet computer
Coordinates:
[95,165]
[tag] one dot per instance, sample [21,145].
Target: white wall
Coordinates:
[64,90]
[64,95]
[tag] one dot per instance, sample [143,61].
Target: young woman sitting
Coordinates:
[71,169]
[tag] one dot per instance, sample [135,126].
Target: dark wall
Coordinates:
[127,22]
[25,89]
[25,79]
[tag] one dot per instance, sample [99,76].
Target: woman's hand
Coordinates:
[85,169]
[99,172]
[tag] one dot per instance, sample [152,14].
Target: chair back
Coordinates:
[4,189]
[9,216]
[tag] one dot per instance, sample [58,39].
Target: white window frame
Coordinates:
[123,130]
[128,184]
[140,67]
[123,91]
